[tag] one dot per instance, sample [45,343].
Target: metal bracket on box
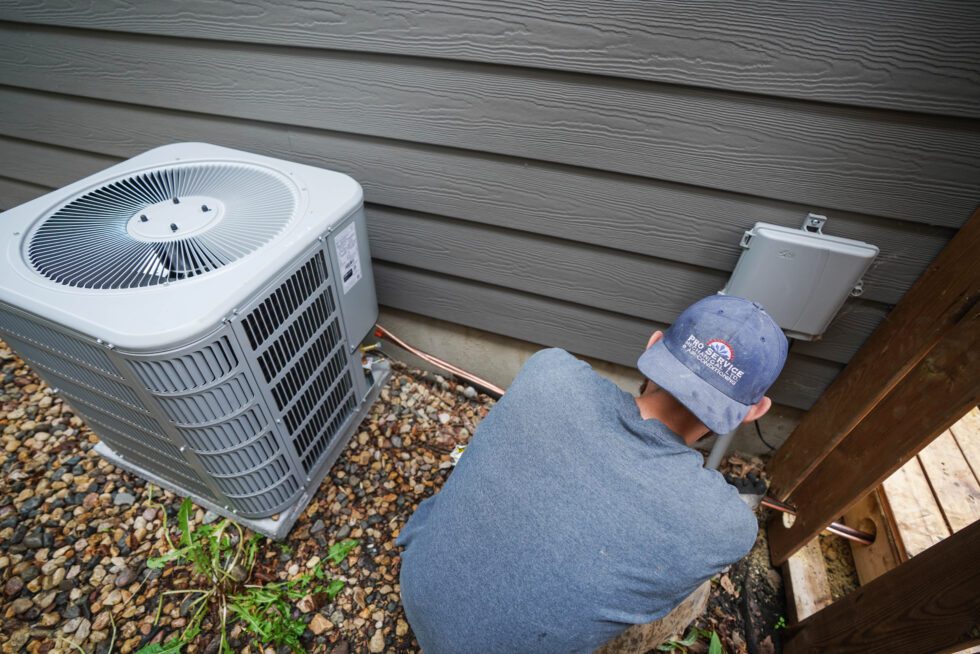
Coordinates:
[814,223]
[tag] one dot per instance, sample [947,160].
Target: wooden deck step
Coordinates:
[914,513]
[953,483]
[967,435]
[932,496]
[807,587]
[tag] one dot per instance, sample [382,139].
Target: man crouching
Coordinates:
[579,510]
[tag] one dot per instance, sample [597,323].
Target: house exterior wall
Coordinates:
[562,172]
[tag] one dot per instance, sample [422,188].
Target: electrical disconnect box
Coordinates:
[801,276]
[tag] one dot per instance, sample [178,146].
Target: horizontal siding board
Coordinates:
[14,192]
[905,55]
[639,287]
[882,163]
[590,332]
[597,277]
[670,221]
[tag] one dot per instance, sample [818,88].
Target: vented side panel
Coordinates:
[213,404]
[227,434]
[179,476]
[210,400]
[298,343]
[57,342]
[185,373]
[65,368]
[276,309]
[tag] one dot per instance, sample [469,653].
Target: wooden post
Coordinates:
[929,309]
[641,638]
[927,604]
[936,393]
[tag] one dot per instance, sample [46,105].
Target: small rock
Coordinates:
[123,499]
[444,418]
[306,604]
[319,624]
[18,639]
[18,606]
[84,627]
[49,619]
[13,587]
[401,628]
[125,577]
[377,643]
[114,598]
[70,626]
[469,392]
[101,621]
[317,527]
[34,540]
[396,441]
[209,517]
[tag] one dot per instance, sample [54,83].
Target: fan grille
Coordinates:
[90,242]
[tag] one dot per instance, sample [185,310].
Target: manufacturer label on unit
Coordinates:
[348,256]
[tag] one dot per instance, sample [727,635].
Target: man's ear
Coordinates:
[657,335]
[758,410]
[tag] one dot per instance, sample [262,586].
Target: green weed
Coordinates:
[693,635]
[223,558]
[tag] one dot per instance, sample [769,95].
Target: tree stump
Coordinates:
[641,638]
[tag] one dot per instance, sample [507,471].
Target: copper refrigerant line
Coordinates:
[835,528]
[381,332]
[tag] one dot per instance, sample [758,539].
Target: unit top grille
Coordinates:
[161,225]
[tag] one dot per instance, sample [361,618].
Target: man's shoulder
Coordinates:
[553,367]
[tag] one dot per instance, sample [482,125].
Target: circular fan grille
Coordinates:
[161,225]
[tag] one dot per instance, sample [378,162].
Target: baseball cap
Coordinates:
[719,358]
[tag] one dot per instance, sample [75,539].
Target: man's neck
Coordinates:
[660,405]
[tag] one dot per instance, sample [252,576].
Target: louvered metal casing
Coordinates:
[247,414]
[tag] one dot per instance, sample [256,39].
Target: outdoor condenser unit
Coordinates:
[202,309]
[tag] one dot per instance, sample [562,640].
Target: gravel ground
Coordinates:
[75,532]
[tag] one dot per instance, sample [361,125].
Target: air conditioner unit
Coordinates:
[201,308]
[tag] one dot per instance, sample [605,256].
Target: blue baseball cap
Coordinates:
[719,358]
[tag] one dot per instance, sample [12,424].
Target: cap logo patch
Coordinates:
[722,348]
[716,355]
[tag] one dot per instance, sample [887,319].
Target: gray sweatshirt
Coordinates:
[568,519]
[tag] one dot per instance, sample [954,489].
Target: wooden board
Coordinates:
[930,398]
[644,287]
[843,158]
[873,560]
[916,518]
[807,587]
[952,481]
[883,54]
[676,222]
[927,604]
[966,431]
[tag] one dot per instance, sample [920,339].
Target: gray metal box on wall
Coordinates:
[801,276]
[201,308]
